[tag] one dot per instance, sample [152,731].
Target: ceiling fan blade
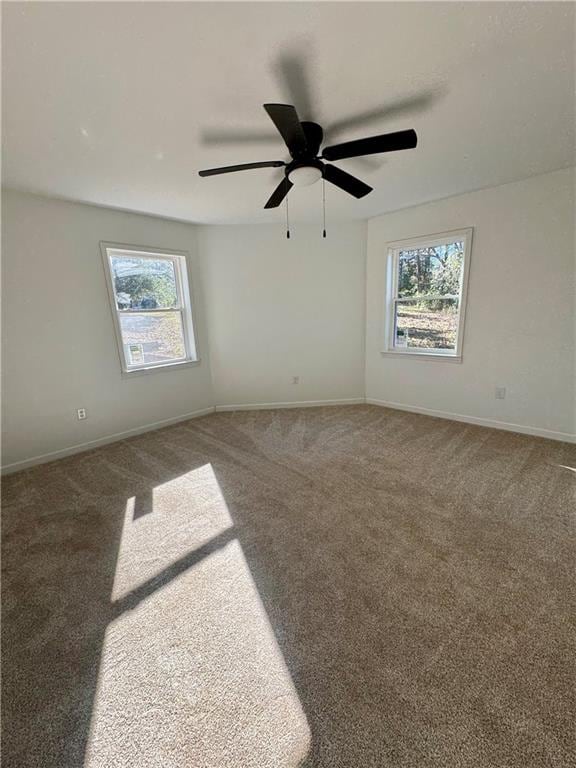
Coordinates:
[244,167]
[218,136]
[279,193]
[285,118]
[292,71]
[387,142]
[346,181]
[400,108]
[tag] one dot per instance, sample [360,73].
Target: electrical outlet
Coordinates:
[81,414]
[500,393]
[295,379]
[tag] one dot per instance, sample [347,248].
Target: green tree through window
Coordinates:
[147,282]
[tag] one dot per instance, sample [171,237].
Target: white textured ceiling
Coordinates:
[120,104]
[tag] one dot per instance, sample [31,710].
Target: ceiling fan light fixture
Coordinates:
[305,175]
[303,140]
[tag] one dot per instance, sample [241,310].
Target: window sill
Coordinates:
[157,368]
[422,356]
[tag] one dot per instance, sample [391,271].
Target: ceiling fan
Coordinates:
[304,140]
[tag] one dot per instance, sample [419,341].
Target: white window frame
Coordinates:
[184,305]
[391,293]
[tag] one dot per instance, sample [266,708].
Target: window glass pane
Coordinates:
[142,283]
[429,271]
[152,337]
[426,324]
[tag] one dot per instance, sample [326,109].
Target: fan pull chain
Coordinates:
[323,207]
[287,220]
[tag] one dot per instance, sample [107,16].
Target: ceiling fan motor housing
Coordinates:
[305,168]
[314,135]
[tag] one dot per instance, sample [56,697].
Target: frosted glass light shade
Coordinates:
[305,175]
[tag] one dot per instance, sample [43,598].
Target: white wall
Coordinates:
[270,309]
[279,308]
[59,350]
[520,317]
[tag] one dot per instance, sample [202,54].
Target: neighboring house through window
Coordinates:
[150,298]
[426,295]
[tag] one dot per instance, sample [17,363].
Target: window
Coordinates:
[426,295]
[150,300]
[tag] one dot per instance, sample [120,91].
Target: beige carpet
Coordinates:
[348,587]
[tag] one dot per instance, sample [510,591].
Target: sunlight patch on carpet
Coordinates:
[193,675]
[166,523]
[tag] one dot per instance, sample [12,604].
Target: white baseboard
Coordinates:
[492,423]
[80,447]
[293,404]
